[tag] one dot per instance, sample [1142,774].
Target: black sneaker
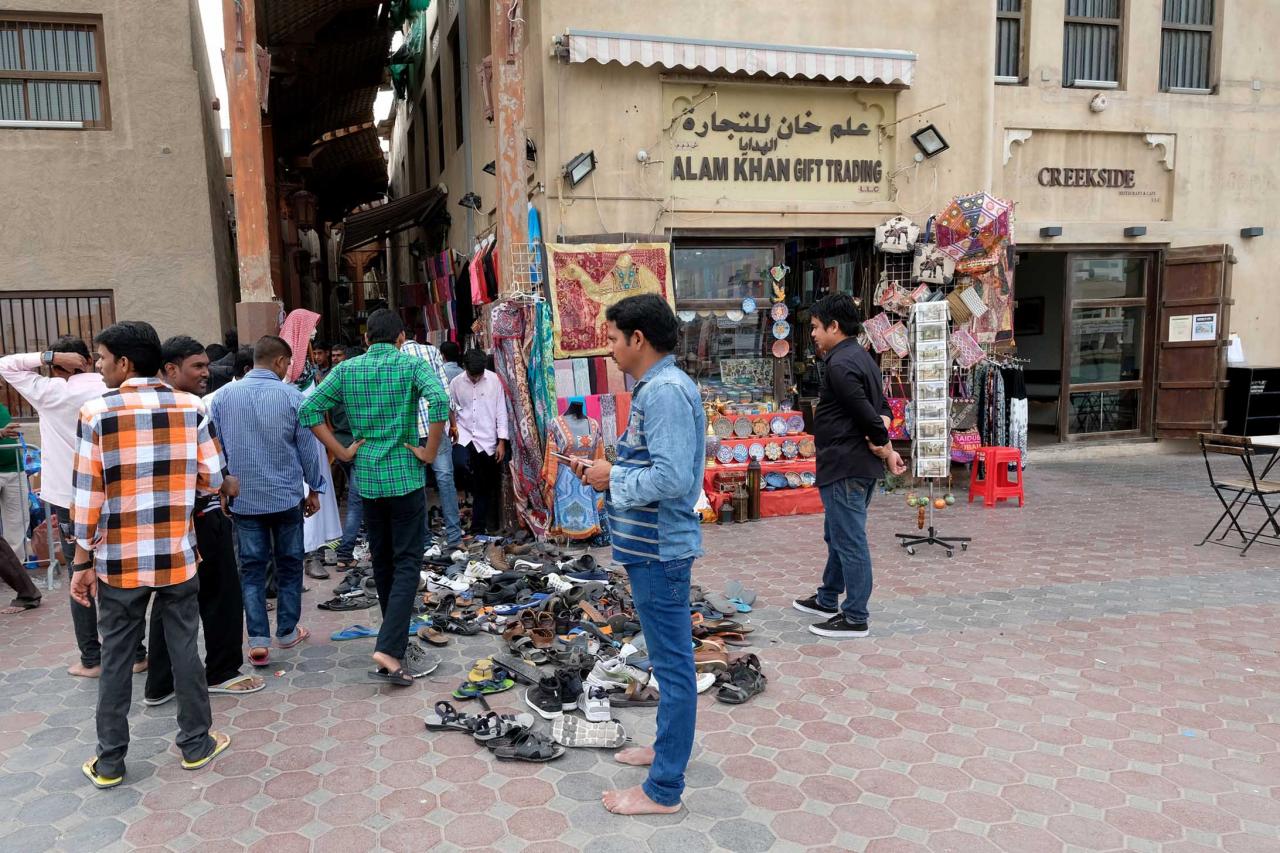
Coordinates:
[839,628]
[570,686]
[811,605]
[545,698]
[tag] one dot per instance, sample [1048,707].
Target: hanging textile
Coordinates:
[993,423]
[1015,389]
[608,420]
[511,327]
[542,368]
[576,508]
[586,279]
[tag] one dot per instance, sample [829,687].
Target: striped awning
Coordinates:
[855,65]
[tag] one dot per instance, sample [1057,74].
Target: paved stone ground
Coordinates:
[1082,679]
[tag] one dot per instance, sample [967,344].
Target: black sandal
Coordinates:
[742,680]
[528,745]
[399,678]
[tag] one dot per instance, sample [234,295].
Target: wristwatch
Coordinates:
[47,357]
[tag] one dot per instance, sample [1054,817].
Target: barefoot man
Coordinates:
[652,490]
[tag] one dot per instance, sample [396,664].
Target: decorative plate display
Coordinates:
[724,454]
[793,479]
[790,449]
[687,316]
[740,453]
[742,427]
[748,305]
[795,424]
[723,427]
[807,448]
[779,311]
[779,425]
[808,478]
[760,428]
[781,348]
[773,451]
[775,480]
[756,450]
[781,330]
[733,315]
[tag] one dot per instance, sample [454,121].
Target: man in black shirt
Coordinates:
[852,436]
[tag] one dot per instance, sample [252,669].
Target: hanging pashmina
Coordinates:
[577,508]
[542,368]
[509,325]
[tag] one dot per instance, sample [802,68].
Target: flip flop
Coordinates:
[534,600]
[90,769]
[302,637]
[432,636]
[260,656]
[520,670]
[229,687]
[472,689]
[722,603]
[220,743]
[354,632]
[340,603]
[735,591]
[399,678]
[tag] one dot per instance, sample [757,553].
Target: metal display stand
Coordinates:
[931,428]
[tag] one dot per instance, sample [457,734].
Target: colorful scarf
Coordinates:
[509,325]
[296,331]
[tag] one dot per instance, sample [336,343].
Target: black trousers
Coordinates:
[486,488]
[14,575]
[397,528]
[221,609]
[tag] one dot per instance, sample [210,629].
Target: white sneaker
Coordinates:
[433,552]
[705,682]
[441,584]
[459,556]
[558,584]
[593,702]
[616,674]
[480,570]
[526,564]
[360,553]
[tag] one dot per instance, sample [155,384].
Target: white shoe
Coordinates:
[433,552]
[480,570]
[593,702]
[557,583]
[459,556]
[616,674]
[441,584]
[526,564]
[706,680]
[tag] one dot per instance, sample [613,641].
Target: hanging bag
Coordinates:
[898,406]
[931,266]
[897,236]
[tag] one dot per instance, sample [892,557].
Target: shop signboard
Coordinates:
[786,143]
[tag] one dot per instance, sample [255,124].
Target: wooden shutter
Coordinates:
[1191,375]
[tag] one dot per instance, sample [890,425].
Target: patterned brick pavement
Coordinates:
[1082,679]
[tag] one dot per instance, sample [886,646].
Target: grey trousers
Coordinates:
[84,619]
[122,618]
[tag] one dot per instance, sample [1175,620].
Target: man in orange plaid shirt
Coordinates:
[143,450]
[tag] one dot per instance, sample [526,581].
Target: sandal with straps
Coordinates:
[493,725]
[446,718]
[741,681]
[528,745]
[528,651]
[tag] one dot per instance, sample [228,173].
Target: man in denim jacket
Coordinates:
[652,489]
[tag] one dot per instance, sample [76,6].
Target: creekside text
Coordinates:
[1053,176]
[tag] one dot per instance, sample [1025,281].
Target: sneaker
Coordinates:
[440,584]
[838,628]
[152,703]
[555,583]
[360,553]
[544,698]
[593,702]
[811,605]
[704,682]
[570,686]
[480,570]
[418,662]
[434,552]
[616,674]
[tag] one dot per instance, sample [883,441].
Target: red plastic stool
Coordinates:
[994,484]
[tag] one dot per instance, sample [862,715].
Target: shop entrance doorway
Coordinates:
[1085,320]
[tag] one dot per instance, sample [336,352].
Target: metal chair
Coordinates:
[1247,487]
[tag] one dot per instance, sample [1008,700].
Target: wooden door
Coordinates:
[1191,374]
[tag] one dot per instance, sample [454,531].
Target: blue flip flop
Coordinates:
[354,632]
[507,609]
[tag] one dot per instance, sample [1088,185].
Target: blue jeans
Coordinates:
[661,594]
[355,516]
[443,469]
[262,537]
[848,568]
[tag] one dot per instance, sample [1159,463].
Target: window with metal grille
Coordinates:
[1010,68]
[32,320]
[52,72]
[1091,40]
[1186,47]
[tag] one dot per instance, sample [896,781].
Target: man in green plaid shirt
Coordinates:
[380,391]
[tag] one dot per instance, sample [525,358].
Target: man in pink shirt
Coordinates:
[479,415]
[57,399]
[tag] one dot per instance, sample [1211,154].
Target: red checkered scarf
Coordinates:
[296,332]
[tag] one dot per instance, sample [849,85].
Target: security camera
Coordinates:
[642,156]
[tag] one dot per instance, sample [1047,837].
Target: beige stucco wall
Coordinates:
[138,209]
[1217,174]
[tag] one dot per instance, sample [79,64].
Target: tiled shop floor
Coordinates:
[1083,678]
